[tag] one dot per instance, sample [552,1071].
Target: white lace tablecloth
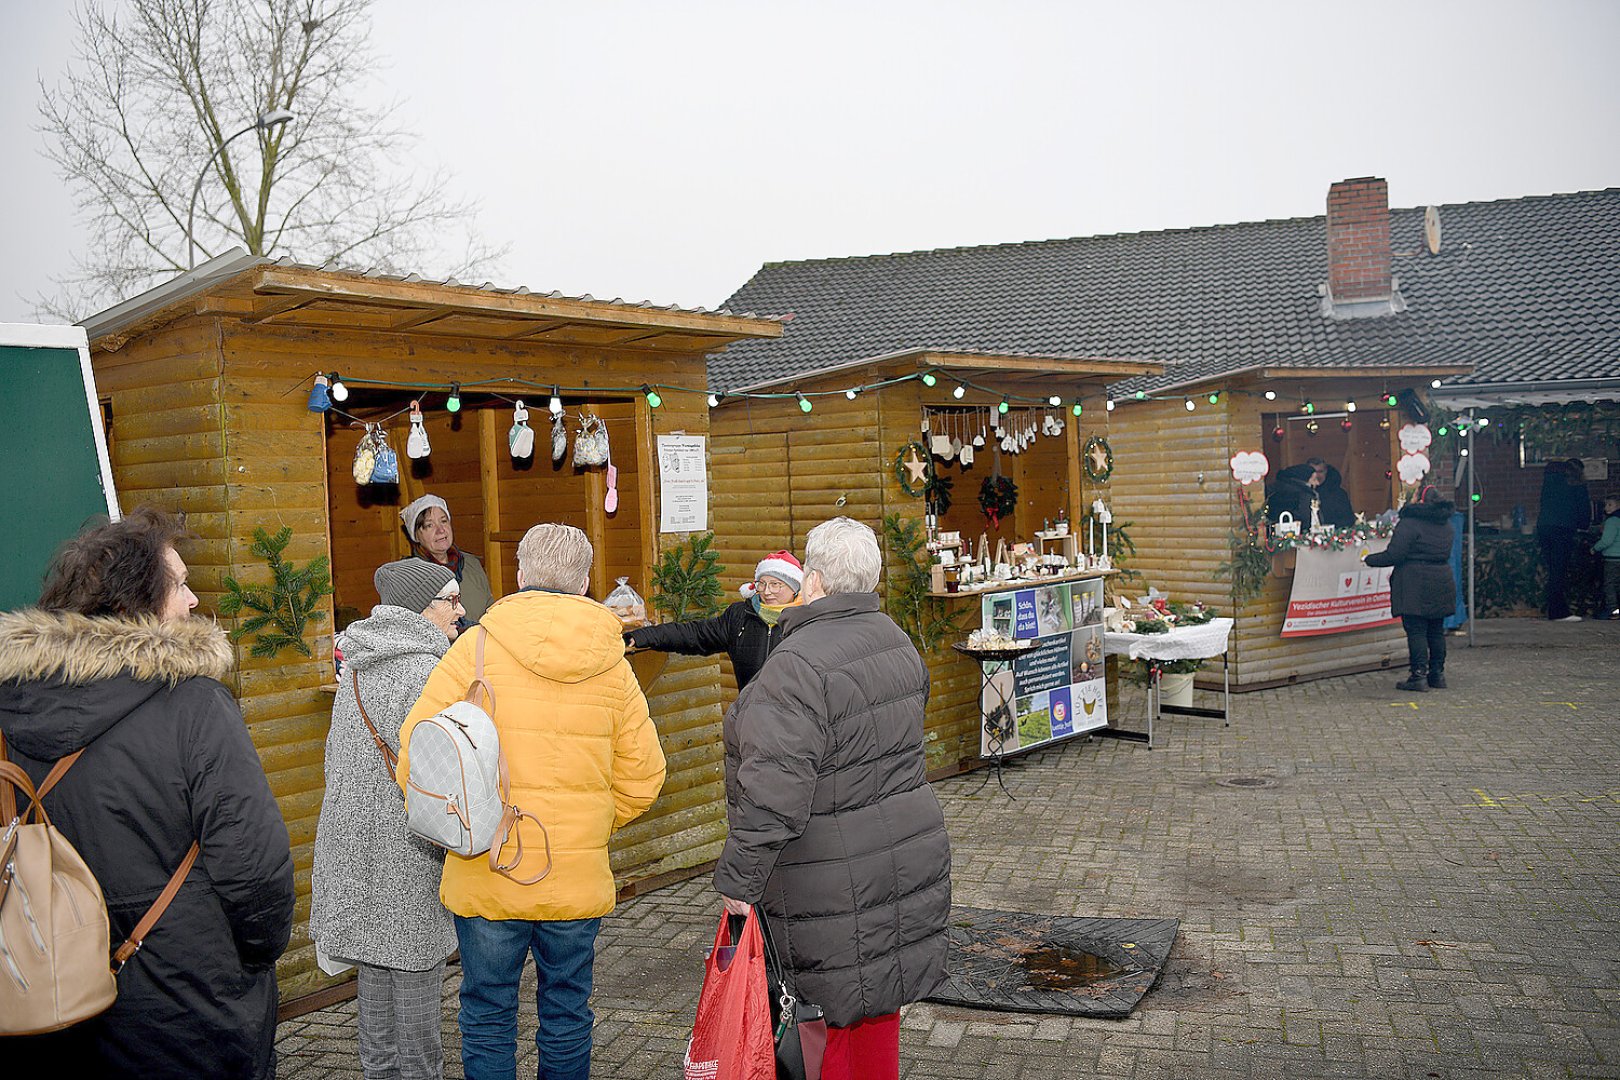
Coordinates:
[1182,643]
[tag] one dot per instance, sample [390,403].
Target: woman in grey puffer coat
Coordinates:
[375,893]
[834,831]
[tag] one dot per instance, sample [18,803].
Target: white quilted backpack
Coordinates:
[458,795]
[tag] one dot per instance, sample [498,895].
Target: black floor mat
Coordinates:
[1012,961]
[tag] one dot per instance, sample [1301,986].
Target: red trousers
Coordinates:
[869,1050]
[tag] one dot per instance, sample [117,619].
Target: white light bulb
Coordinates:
[555,408]
[714,399]
[339,391]
[959,391]
[1054,401]
[1349,406]
[850,393]
[1110,405]
[1271,395]
[1434,384]
[1484,420]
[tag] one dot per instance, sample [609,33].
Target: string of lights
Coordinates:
[328,388]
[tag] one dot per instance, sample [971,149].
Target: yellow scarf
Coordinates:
[770,613]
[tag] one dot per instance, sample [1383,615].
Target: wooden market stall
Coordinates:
[780,470]
[1177,497]
[204,385]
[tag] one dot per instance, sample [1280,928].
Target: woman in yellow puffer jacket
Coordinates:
[584,759]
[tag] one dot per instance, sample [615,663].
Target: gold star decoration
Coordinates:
[916,468]
[1099,459]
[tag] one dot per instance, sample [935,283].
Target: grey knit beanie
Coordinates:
[411,583]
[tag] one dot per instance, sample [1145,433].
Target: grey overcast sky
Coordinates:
[663,151]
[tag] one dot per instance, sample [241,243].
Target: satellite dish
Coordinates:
[1431,228]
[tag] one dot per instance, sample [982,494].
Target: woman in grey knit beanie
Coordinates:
[375,893]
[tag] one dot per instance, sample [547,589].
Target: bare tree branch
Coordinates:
[158,86]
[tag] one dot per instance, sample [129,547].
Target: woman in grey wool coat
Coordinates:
[375,893]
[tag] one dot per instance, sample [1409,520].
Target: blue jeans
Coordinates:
[492,955]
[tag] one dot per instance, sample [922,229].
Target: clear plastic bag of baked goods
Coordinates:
[627,604]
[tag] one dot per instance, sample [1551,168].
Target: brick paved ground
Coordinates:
[1425,891]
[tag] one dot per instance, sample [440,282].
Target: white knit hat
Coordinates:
[411,513]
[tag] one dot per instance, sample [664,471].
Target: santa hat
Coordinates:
[780,565]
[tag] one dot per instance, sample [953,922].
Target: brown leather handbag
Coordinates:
[54,933]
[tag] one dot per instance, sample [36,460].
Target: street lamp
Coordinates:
[265,122]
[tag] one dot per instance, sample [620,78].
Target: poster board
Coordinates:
[683,484]
[1055,690]
[55,451]
[1335,592]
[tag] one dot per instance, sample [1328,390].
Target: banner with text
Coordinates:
[1054,690]
[1334,592]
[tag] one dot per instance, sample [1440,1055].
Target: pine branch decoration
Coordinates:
[926,619]
[287,607]
[687,580]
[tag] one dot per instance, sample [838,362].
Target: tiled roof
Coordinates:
[1524,289]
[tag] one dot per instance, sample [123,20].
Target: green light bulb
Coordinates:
[1215,398]
[1076,409]
[1444,432]
[804,403]
[1475,496]
[1003,407]
[653,400]
[928,378]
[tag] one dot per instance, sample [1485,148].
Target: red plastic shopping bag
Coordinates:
[732,1037]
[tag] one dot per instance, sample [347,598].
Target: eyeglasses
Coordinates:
[451,600]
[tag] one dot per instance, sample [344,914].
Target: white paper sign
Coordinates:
[683,484]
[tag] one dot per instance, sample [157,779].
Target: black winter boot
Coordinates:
[1437,679]
[1414,683]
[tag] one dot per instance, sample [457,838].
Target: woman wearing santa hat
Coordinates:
[746,630]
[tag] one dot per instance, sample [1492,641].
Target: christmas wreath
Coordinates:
[998,497]
[1098,458]
[914,469]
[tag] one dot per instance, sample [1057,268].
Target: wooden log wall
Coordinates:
[208,416]
[1182,530]
[1262,656]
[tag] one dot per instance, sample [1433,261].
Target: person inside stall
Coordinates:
[1299,485]
[427,525]
[746,631]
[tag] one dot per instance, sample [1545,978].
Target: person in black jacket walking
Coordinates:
[1566,509]
[834,830]
[1421,590]
[747,631]
[111,663]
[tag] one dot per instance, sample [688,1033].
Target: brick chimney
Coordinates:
[1358,241]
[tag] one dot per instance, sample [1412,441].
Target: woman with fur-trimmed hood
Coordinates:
[112,663]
